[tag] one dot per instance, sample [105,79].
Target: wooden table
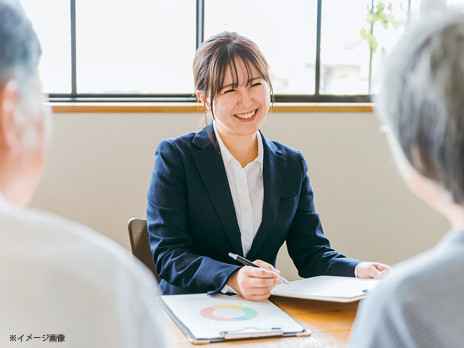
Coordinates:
[329,322]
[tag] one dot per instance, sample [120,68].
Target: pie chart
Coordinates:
[228,313]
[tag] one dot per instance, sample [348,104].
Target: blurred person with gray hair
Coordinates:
[421,104]
[61,282]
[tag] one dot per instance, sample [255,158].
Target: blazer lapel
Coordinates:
[273,176]
[211,168]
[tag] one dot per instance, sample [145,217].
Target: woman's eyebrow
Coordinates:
[248,82]
[254,78]
[227,86]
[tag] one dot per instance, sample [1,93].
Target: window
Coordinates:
[134,47]
[112,50]
[55,36]
[285,31]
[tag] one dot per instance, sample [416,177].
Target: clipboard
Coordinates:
[220,318]
[327,288]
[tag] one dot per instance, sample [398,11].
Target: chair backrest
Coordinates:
[140,245]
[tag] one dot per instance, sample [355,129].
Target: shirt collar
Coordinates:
[227,156]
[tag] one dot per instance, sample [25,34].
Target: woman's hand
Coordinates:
[368,270]
[253,283]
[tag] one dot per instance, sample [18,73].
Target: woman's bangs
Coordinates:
[250,61]
[234,59]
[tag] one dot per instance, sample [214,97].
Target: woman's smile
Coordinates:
[246,115]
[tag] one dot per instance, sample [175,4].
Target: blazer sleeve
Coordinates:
[307,245]
[171,241]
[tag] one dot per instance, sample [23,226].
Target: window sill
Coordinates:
[197,108]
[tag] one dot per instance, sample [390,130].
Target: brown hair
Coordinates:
[220,52]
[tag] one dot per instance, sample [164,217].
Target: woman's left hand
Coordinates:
[368,270]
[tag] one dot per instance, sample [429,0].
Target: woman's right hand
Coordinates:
[253,283]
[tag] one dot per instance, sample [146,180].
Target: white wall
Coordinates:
[99,167]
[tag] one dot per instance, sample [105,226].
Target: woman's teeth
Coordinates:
[245,116]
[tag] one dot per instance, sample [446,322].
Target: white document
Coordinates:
[221,317]
[327,288]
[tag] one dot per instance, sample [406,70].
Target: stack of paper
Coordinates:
[327,288]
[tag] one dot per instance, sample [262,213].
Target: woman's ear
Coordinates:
[203,99]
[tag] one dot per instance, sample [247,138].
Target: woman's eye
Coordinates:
[228,91]
[256,84]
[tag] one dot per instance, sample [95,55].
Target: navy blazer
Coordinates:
[193,226]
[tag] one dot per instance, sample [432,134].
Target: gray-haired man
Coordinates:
[60,281]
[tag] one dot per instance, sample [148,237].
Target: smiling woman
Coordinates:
[228,189]
[233,84]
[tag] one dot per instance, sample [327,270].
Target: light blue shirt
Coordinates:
[419,305]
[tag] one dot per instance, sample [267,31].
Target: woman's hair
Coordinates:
[421,98]
[222,51]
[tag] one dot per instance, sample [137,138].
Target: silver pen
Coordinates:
[246,262]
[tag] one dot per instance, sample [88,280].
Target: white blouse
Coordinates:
[247,189]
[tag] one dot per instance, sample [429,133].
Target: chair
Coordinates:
[138,235]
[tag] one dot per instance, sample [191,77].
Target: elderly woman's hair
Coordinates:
[20,49]
[421,98]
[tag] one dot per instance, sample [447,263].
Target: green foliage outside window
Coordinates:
[382,14]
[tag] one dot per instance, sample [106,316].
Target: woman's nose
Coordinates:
[246,98]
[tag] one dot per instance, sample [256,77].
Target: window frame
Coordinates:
[190,98]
